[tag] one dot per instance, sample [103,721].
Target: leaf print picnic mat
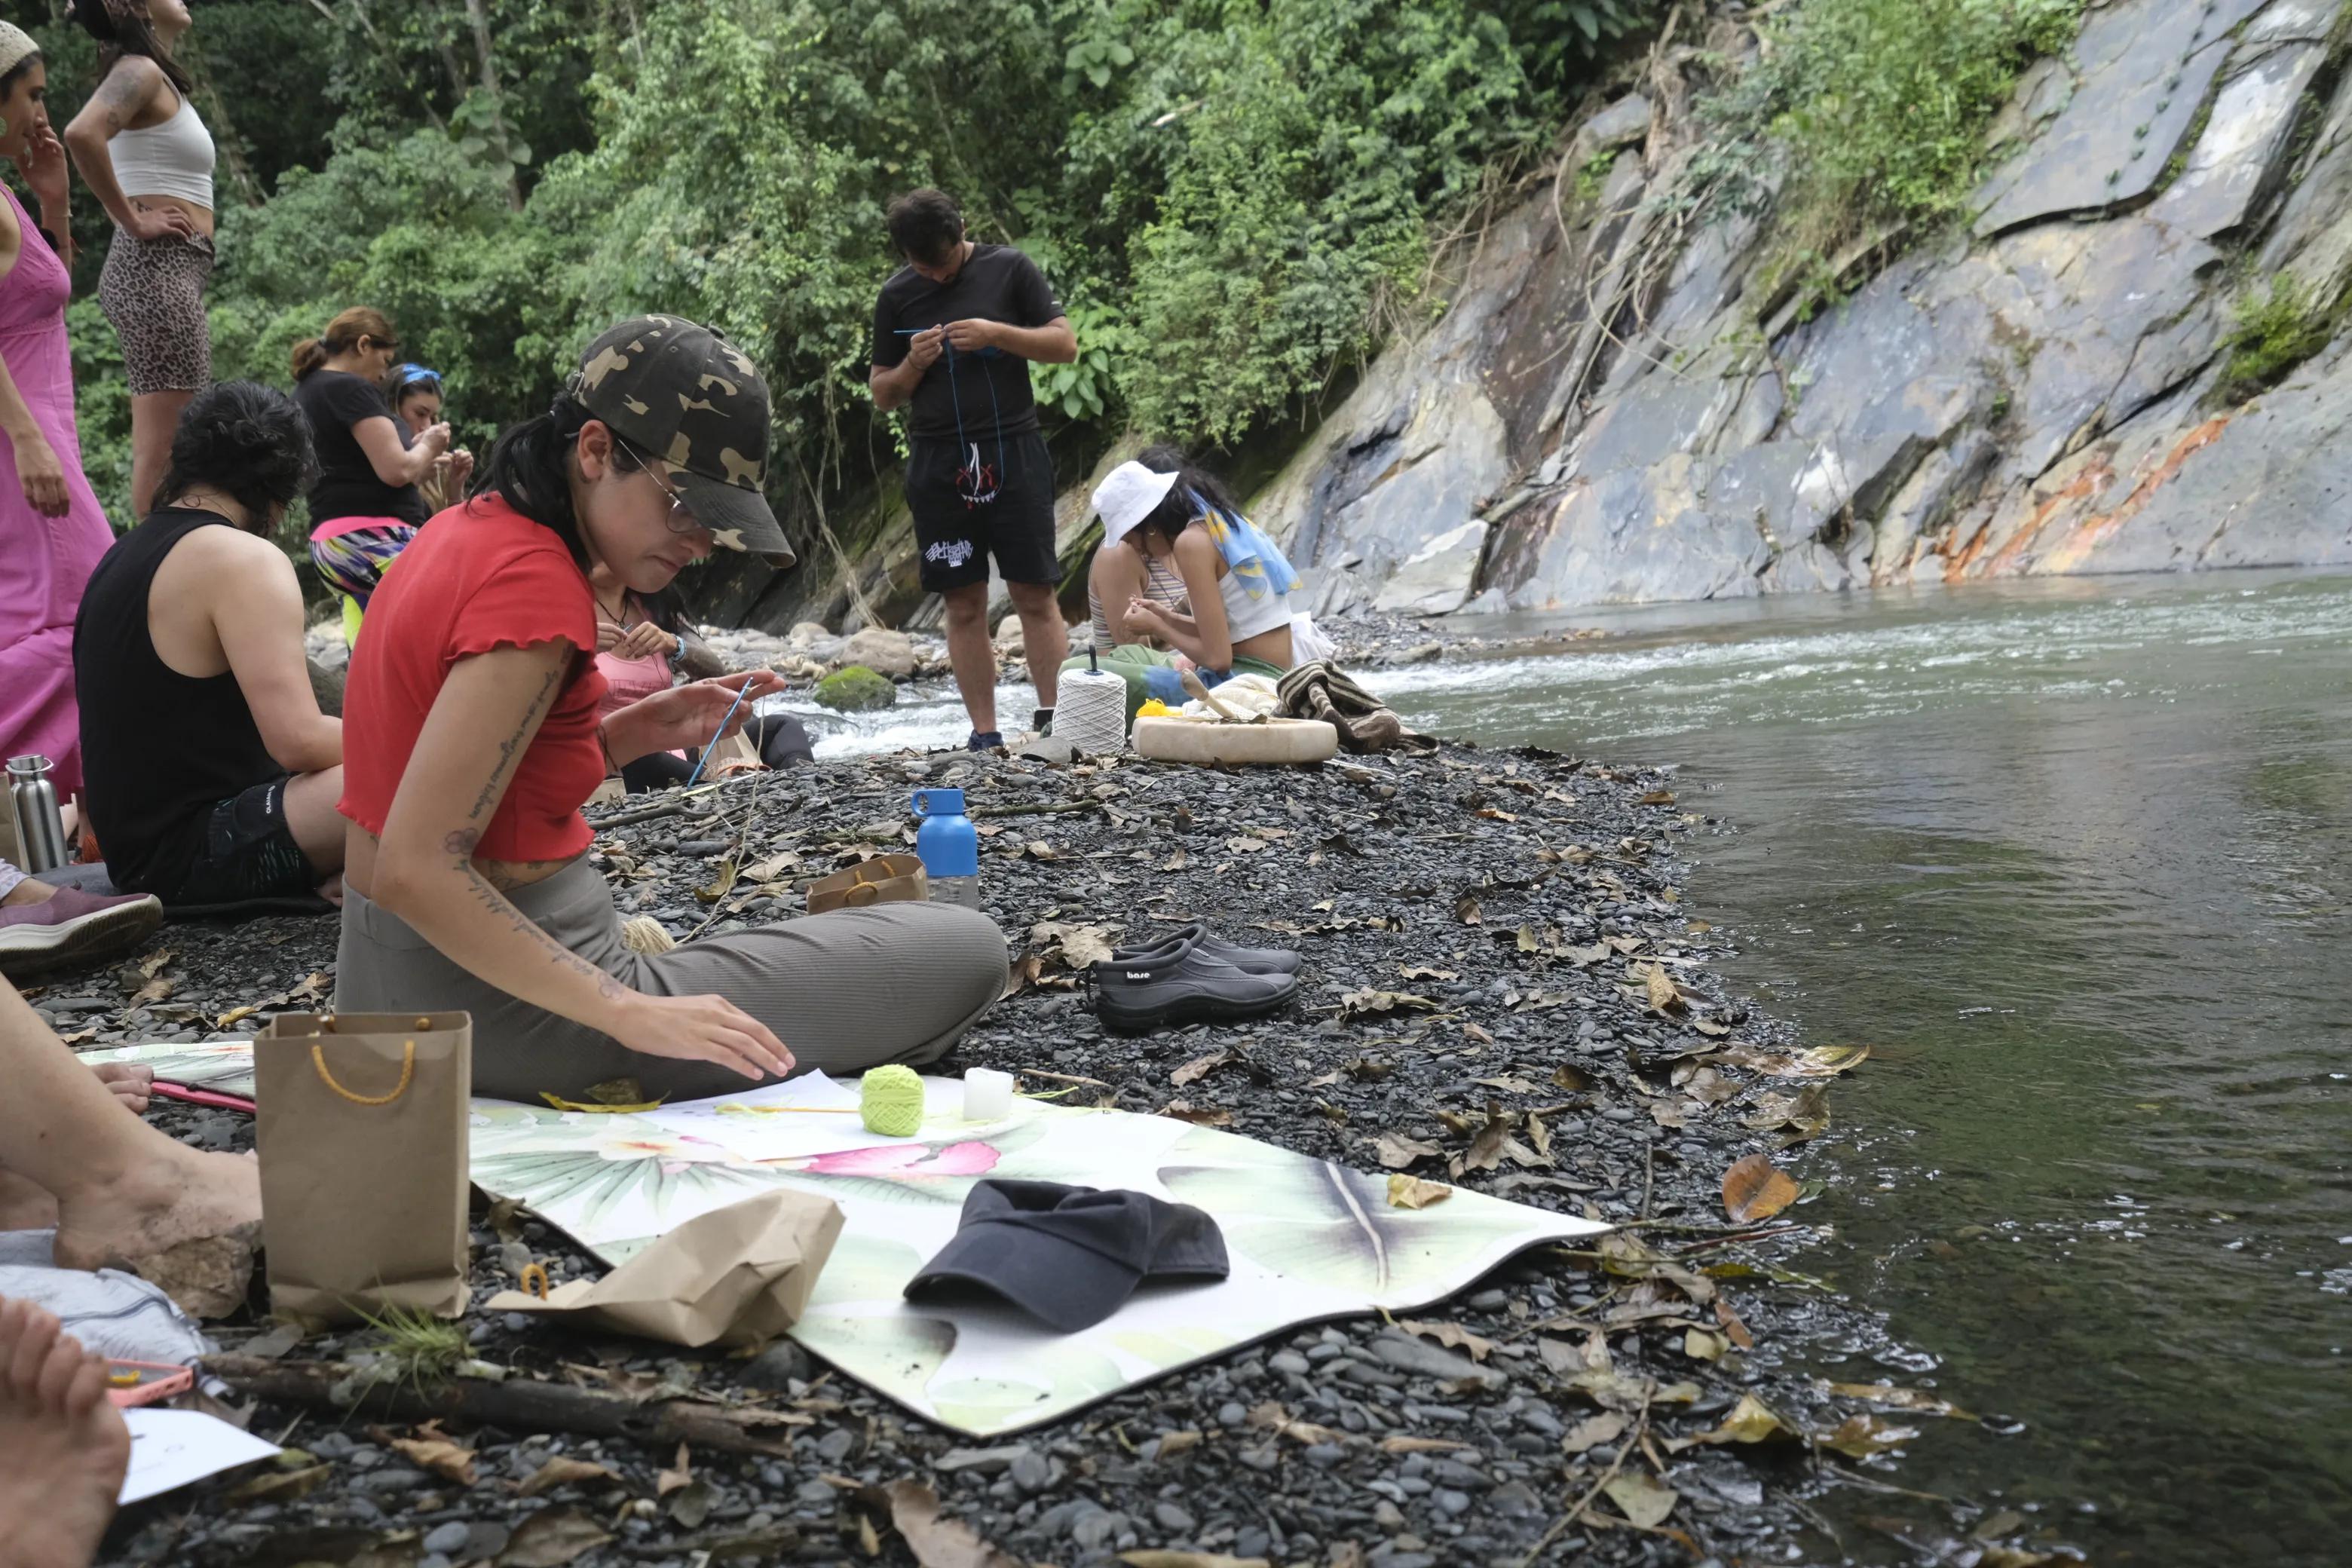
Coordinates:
[1310,1240]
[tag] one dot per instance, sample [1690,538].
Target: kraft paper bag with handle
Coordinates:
[737,1276]
[360,1119]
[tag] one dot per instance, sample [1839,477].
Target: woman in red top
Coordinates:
[472,739]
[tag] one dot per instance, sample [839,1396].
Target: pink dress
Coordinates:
[45,561]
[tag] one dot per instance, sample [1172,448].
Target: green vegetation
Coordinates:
[2271,332]
[856,690]
[1229,195]
[1874,112]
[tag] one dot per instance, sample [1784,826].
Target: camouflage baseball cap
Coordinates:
[688,401]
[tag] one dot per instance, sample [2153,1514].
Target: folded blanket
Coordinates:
[1323,690]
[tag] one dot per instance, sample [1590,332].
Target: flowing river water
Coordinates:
[2075,859]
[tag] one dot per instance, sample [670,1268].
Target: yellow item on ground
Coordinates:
[1153,709]
[890,1098]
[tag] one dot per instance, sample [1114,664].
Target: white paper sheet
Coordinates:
[170,1448]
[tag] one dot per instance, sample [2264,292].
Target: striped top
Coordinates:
[1163,584]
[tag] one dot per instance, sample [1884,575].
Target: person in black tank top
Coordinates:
[215,787]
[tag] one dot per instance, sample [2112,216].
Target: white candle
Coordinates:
[987,1095]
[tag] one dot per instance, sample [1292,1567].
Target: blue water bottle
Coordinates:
[949,846]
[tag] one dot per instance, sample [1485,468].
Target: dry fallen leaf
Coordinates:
[1859,1437]
[1157,1557]
[1396,1150]
[279,1486]
[1038,849]
[1074,947]
[1732,1327]
[1645,1500]
[1466,911]
[1593,1431]
[1700,1345]
[1912,1399]
[679,1475]
[1198,1115]
[1201,1067]
[1174,1443]
[1750,1421]
[1662,995]
[1413,1193]
[1273,1418]
[1246,846]
[1754,1188]
[936,1541]
[1369,1003]
[234,1016]
[1402,1445]
[562,1472]
[438,1455]
[1454,1336]
[551,1538]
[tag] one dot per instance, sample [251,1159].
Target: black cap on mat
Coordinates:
[1069,1256]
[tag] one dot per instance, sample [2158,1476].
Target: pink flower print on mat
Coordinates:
[895,1162]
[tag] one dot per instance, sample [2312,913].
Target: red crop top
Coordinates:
[480,575]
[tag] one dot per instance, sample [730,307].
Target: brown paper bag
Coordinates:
[361,1122]
[737,1276]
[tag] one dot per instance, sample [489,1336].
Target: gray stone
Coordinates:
[1419,1358]
[446,1538]
[1031,1470]
[1436,579]
[1627,119]
[983,1461]
[1174,1517]
[2145,67]
[775,1369]
[2236,159]
[885,652]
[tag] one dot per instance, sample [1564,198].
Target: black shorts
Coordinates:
[990,498]
[245,850]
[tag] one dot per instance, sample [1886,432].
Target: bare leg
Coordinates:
[1045,640]
[124,1189]
[31,890]
[153,416]
[317,827]
[972,654]
[63,1446]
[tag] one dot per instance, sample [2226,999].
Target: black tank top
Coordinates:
[159,749]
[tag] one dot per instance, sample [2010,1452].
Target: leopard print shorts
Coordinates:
[154,292]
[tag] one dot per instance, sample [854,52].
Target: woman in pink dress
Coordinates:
[52,530]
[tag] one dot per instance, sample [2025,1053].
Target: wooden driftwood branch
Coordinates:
[517,1405]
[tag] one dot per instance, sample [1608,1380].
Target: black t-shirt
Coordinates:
[997,283]
[334,401]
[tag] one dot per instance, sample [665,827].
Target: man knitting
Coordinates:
[954,331]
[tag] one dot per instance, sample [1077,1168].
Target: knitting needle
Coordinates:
[719,732]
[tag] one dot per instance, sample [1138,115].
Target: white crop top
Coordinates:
[173,158]
[1246,617]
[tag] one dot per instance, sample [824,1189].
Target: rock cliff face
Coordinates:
[1609,412]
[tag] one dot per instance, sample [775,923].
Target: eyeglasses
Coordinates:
[407,375]
[680,517]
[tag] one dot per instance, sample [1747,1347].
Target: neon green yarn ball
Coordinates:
[891,1100]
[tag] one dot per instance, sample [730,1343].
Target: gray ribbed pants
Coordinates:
[845,991]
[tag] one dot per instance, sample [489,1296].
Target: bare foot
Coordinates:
[130,1082]
[182,1196]
[28,891]
[332,889]
[63,1446]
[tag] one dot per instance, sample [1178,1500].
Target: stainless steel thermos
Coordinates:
[40,825]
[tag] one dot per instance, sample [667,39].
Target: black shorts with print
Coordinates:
[990,498]
[242,849]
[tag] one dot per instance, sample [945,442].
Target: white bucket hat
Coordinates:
[1129,494]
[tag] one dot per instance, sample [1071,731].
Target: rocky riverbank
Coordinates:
[1503,989]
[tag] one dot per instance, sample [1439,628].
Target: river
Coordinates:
[2073,858]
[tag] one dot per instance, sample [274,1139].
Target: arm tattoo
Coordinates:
[122,97]
[513,744]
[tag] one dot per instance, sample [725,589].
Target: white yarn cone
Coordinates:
[1091,712]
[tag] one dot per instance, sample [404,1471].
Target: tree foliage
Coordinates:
[1225,193]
